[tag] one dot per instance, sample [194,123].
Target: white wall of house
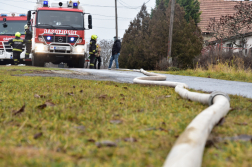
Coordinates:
[228,46]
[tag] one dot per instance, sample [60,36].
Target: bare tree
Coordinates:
[235,26]
[106,51]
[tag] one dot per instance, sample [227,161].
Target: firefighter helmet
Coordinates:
[17,34]
[94,37]
[26,27]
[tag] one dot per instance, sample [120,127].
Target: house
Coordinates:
[235,45]
[215,9]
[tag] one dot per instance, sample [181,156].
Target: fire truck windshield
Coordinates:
[12,27]
[60,19]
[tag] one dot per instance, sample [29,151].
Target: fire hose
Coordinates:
[189,147]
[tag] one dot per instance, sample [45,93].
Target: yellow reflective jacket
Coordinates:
[92,47]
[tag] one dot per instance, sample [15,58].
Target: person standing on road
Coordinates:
[17,45]
[98,57]
[115,53]
[28,37]
[92,50]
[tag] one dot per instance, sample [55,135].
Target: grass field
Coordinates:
[220,71]
[71,122]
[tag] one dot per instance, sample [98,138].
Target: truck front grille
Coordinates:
[60,39]
[7,47]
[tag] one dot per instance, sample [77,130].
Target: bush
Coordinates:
[162,65]
[214,57]
[173,69]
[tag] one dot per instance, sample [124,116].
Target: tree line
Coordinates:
[145,42]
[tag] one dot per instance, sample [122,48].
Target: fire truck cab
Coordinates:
[58,33]
[10,24]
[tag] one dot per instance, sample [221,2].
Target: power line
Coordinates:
[89,5]
[110,19]
[81,5]
[131,7]
[15,6]
[106,6]
[7,10]
[32,2]
[124,2]
[23,1]
[108,28]
[111,16]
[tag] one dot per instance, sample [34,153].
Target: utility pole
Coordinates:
[116,19]
[169,58]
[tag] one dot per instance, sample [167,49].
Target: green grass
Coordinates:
[146,114]
[220,71]
[16,70]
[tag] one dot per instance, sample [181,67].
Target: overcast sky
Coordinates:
[103,12]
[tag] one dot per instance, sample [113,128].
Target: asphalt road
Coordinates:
[196,83]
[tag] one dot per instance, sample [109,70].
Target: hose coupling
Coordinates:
[214,94]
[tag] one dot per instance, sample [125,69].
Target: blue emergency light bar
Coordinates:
[45,4]
[75,5]
[22,15]
[2,15]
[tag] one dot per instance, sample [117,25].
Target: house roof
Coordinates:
[214,9]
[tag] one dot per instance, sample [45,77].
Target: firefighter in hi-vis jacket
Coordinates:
[92,50]
[28,37]
[17,45]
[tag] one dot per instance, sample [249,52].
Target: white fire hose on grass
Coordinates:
[189,147]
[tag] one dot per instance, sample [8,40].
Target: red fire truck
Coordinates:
[9,25]
[58,33]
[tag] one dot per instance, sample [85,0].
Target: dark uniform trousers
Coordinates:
[99,62]
[16,57]
[28,49]
[92,61]
[28,37]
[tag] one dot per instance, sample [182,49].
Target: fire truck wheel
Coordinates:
[38,61]
[77,62]
[81,62]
